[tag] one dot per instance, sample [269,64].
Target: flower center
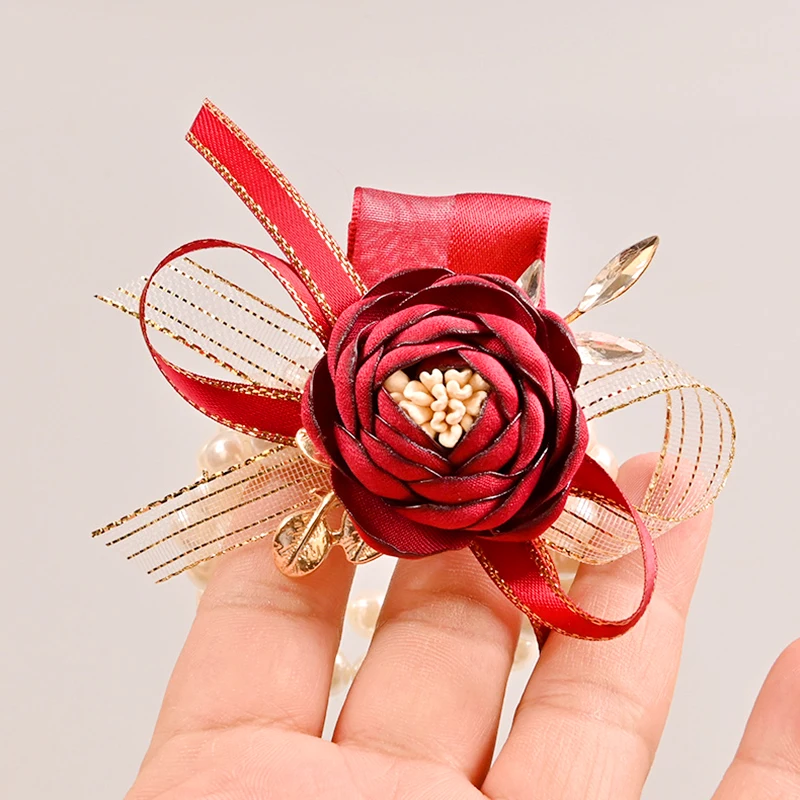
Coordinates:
[444,404]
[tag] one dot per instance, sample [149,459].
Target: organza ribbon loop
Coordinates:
[253,407]
[689,469]
[218,512]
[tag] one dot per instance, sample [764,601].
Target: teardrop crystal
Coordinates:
[532,281]
[617,276]
[604,349]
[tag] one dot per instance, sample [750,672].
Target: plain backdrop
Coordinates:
[678,118]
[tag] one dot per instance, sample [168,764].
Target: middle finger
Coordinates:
[432,684]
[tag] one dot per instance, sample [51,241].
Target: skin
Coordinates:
[245,707]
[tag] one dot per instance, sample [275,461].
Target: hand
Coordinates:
[245,707]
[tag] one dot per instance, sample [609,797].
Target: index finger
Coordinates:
[261,649]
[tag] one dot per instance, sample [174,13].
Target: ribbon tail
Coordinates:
[308,247]
[526,574]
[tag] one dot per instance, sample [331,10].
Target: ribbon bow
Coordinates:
[455,246]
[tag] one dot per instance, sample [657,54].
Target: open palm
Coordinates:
[244,710]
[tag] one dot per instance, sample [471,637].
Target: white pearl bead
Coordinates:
[223,451]
[526,646]
[605,457]
[254,446]
[200,574]
[363,612]
[342,674]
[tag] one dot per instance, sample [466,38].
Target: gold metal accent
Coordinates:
[306,447]
[355,548]
[616,277]
[303,541]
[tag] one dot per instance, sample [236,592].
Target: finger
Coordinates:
[767,764]
[593,712]
[261,650]
[431,686]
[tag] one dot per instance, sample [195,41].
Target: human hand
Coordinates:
[244,711]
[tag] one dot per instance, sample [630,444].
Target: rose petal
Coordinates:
[364,391]
[513,343]
[354,319]
[561,347]
[318,412]
[496,373]
[452,518]
[487,428]
[464,488]
[526,526]
[406,438]
[473,293]
[498,453]
[388,531]
[410,280]
[405,356]
[434,327]
[398,320]
[371,476]
[389,460]
[515,499]
[534,426]
[344,379]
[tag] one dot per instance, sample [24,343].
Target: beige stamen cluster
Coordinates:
[445,405]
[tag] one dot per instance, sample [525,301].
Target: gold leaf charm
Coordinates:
[617,276]
[303,540]
[306,447]
[531,281]
[603,349]
[355,548]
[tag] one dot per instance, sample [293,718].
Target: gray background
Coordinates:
[679,118]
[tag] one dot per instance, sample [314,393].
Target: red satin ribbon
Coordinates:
[525,570]
[309,249]
[468,233]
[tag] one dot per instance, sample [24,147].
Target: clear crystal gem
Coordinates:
[532,281]
[604,349]
[619,274]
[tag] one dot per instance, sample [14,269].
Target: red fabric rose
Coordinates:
[508,477]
